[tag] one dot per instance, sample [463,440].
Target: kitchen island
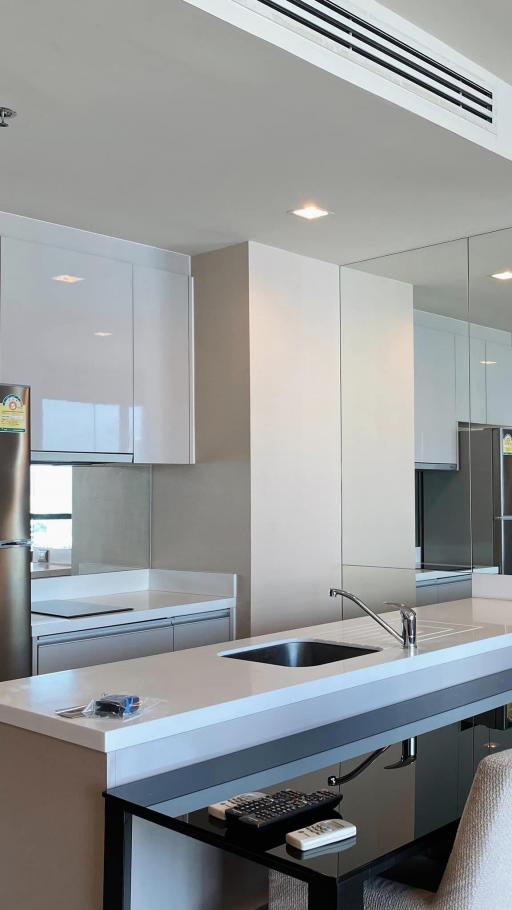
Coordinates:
[207,707]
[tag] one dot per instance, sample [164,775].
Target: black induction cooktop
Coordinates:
[71,609]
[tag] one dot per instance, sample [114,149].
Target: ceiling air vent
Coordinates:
[331,25]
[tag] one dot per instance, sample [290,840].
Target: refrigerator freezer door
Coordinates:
[14,463]
[504,545]
[15,638]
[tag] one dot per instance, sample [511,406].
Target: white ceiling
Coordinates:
[454,279]
[159,123]
[480,29]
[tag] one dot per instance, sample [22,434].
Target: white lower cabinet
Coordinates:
[443,592]
[103,646]
[144,639]
[198,631]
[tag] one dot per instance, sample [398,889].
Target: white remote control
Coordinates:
[218,810]
[321,833]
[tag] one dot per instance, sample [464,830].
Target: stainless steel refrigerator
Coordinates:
[467,514]
[15,638]
[500,442]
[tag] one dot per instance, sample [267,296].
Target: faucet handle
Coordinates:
[408,616]
[405,609]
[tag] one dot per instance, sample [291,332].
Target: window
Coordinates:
[50,506]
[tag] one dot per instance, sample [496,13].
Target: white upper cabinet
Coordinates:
[478,380]
[451,384]
[470,375]
[66,330]
[499,383]
[163,367]
[435,396]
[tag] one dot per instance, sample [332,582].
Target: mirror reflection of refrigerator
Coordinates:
[467,514]
[15,639]
[501,443]
[491,496]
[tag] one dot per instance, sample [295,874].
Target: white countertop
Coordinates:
[457,641]
[139,606]
[49,569]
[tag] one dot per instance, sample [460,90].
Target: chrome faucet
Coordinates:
[408,636]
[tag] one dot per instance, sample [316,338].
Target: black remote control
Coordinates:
[261,814]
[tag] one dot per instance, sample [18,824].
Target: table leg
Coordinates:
[117,857]
[331,895]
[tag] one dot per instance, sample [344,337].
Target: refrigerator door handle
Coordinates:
[4,544]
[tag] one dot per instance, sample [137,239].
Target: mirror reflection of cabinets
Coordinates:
[448,353]
[462,311]
[435,391]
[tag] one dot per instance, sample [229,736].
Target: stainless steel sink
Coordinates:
[300,653]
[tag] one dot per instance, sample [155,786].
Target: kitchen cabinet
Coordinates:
[455,590]
[163,367]
[193,632]
[425,595]
[443,592]
[435,421]
[499,383]
[125,641]
[103,646]
[66,330]
[470,376]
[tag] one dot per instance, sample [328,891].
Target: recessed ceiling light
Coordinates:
[103,334]
[488,363]
[67,279]
[505,275]
[310,212]
[6,114]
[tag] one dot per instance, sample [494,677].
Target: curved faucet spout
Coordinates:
[407,614]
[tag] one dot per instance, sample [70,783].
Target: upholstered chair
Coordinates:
[479,872]
[478,875]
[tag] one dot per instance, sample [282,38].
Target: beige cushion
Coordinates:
[286,893]
[382,894]
[479,872]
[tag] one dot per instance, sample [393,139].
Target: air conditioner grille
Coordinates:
[387,52]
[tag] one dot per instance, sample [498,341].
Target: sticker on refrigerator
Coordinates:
[507,444]
[13,415]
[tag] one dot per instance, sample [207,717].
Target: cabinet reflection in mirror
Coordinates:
[89,518]
[490,307]
[418,483]
[446,460]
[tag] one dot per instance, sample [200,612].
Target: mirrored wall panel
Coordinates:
[89,518]
[490,307]
[410,507]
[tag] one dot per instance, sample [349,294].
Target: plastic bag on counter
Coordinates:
[112,707]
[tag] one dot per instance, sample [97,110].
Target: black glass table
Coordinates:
[405,797]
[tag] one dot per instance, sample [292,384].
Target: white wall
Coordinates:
[111,516]
[377,407]
[295,439]
[266,499]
